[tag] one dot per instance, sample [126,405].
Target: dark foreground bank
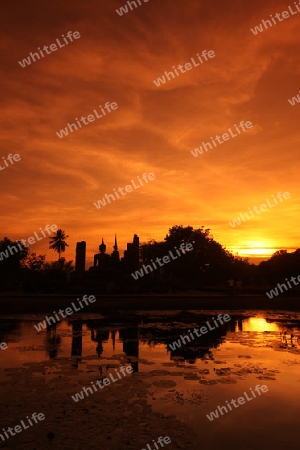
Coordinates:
[36,304]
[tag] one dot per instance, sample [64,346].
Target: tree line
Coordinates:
[207,267]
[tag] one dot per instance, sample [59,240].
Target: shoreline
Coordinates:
[35,303]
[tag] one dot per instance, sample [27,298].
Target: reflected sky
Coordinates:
[257,324]
[140,337]
[190,381]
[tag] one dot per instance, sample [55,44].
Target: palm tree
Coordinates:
[57,242]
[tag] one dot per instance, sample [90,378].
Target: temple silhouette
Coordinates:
[108,270]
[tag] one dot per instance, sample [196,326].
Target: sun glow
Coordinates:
[258,324]
[252,248]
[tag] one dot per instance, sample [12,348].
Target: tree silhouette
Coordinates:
[33,261]
[10,262]
[208,264]
[57,242]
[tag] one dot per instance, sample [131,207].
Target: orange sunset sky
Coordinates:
[154,128]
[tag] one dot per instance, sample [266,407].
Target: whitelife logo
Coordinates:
[31,240]
[53,48]
[68,312]
[202,330]
[244,126]
[85,390]
[160,441]
[16,157]
[294,100]
[285,15]
[124,9]
[35,417]
[274,293]
[241,401]
[263,207]
[187,66]
[90,119]
[127,188]
[166,260]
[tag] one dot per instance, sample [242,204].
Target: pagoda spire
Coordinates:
[102,247]
[116,244]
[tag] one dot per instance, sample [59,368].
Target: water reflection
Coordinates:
[52,341]
[189,381]
[76,338]
[130,337]
[256,324]
[103,337]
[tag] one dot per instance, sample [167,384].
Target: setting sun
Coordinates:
[254,248]
[258,324]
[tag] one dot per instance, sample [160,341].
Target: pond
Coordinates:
[167,390]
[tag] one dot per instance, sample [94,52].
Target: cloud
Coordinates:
[154,129]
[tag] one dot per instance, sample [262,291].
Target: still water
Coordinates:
[187,383]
